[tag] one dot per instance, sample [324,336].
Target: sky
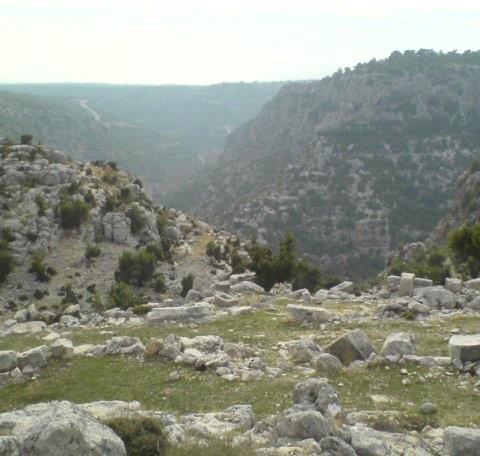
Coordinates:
[212,41]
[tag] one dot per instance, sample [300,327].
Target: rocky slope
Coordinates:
[354,164]
[65,225]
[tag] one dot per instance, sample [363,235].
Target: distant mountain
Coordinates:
[165,134]
[354,164]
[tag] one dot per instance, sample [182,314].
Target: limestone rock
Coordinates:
[62,348]
[308,314]
[60,429]
[247,287]
[458,441]
[399,344]
[35,357]
[407,282]
[351,347]
[464,348]
[181,313]
[8,361]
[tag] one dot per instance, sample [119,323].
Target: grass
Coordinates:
[456,406]
[87,379]
[20,343]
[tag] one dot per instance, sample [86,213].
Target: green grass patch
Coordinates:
[20,343]
[87,379]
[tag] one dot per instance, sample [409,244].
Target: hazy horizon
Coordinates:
[187,43]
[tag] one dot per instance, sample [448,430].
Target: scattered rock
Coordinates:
[351,347]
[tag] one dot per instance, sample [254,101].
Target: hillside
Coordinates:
[354,164]
[164,134]
[124,331]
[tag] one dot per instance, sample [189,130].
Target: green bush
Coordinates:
[72,213]
[214,250]
[142,436]
[135,268]
[92,251]
[284,266]
[7,235]
[38,267]
[26,140]
[159,285]
[137,219]
[464,244]
[7,263]
[122,295]
[110,177]
[89,198]
[111,203]
[70,297]
[187,284]
[237,264]
[41,204]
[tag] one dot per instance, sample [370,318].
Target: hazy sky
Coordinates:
[209,41]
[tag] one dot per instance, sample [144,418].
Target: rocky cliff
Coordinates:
[354,164]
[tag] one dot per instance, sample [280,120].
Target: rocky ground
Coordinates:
[273,373]
[395,371]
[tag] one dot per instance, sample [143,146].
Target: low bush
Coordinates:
[38,267]
[72,213]
[137,219]
[92,251]
[7,263]
[187,284]
[122,295]
[135,268]
[214,250]
[41,204]
[159,284]
[142,436]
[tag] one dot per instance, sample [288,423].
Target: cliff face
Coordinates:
[354,164]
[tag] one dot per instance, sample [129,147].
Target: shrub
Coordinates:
[135,268]
[156,250]
[41,204]
[72,213]
[142,436]
[89,198]
[122,295]
[126,195]
[187,284]
[70,297]
[7,263]
[26,140]
[162,221]
[159,285]
[137,219]
[7,235]
[238,265]
[37,267]
[464,244]
[110,177]
[214,250]
[111,203]
[92,251]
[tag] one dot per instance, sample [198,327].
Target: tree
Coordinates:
[135,268]
[26,140]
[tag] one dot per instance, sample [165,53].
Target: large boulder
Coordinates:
[308,314]
[59,429]
[464,349]
[246,287]
[29,327]
[327,363]
[473,284]
[438,297]
[35,357]
[182,313]
[399,344]
[344,287]
[62,348]
[319,394]
[352,346]
[308,424]
[458,441]
[8,361]
[116,227]
[407,282]
[453,285]
[124,345]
